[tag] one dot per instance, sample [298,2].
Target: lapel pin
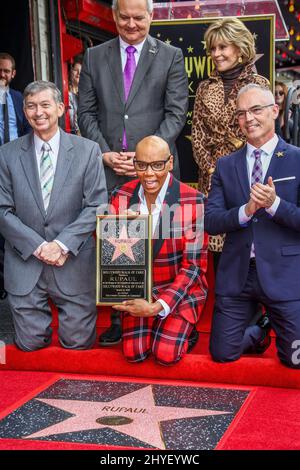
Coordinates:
[279,154]
[153,51]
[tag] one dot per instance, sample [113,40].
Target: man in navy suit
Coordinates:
[17,125]
[255,200]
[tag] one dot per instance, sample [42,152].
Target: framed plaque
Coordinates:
[124,258]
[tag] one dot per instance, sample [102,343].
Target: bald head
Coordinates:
[153,142]
[153,162]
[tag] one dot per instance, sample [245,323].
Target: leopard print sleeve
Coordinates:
[200,132]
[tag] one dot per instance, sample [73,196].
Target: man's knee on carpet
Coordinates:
[77,341]
[221,354]
[32,343]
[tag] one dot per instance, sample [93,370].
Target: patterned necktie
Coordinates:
[257,171]
[128,75]
[46,174]
[5,120]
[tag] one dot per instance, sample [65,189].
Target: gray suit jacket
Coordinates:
[156,105]
[79,187]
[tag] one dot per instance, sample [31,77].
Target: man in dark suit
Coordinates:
[13,123]
[255,199]
[131,87]
[166,327]
[17,122]
[50,186]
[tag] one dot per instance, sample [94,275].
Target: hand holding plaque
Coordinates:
[124,258]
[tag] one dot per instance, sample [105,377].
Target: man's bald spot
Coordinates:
[157,144]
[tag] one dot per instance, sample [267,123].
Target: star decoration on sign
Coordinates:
[168,41]
[254,36]
[123,245]
[158,35]
[190,49]
[121,414]
[204,45]
[180,39]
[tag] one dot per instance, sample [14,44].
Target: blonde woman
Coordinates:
[215,131]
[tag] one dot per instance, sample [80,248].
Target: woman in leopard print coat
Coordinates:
[215,130]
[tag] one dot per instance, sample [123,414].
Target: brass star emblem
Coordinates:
[279,154]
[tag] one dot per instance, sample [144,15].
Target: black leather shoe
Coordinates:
[259,348]
[193,339]
[113,335]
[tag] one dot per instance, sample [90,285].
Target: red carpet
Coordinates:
[268,419]
[264,370]
[268,422]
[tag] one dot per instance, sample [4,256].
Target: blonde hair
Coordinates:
[231,31]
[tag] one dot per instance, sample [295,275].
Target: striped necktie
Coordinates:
[46,174]
[257,171]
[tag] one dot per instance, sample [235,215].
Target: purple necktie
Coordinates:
[257,171]
[128,75]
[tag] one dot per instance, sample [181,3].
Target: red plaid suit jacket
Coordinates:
[179,246]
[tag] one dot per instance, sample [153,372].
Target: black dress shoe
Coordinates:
[193,339]
[259,348]
[113,335]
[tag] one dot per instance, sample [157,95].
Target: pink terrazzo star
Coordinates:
[137,410]
[123,245]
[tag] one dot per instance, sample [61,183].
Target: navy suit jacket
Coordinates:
[22,123]
[276,239]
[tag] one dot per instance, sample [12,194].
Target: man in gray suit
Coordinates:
[50,186]
[131,87]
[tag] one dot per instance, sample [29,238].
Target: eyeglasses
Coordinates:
[279,93]
[254,111]
[160,165]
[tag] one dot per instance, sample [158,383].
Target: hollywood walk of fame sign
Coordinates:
[126,414]
[124,258]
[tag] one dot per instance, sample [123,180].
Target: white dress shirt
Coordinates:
[137,53]
[267,151]
[155,218]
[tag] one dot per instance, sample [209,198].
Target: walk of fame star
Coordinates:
[121,414]
[123,245]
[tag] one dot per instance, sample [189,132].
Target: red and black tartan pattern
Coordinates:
[166,338]
[180,265]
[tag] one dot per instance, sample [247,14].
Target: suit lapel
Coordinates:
[148,54]
[64,161]
[277,161]
[18,110]
[115,66]
[241,168]
[29,164]
[172,197]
